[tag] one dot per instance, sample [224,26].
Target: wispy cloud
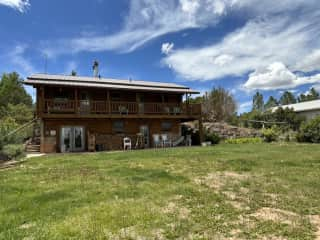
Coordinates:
[146,20]
[20,5]
[17,58]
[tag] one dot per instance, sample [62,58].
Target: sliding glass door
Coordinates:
[72,139]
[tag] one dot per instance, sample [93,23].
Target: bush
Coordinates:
[213,138]
[310,131]
[243,140]
[14,151]
[270,134]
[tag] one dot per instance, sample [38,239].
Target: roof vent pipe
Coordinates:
[95,68]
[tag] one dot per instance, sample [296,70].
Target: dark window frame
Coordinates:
[118,126]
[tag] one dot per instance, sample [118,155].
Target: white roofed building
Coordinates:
[309,109]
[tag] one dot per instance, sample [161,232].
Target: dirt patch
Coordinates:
[172,208]
[218,180]
[27,225]
[315,221]
[276,215]
[272,237]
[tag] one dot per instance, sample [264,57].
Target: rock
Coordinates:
[226,131]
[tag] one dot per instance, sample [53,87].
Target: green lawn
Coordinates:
[248,191]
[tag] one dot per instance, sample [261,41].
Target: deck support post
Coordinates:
[42,137]
[201,135]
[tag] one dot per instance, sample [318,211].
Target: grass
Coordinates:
[241,191]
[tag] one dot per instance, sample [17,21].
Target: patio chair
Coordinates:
[156,140]
[123,110]
[176,110]
[166,142]
[126,143]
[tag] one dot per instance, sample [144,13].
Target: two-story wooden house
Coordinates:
[86,113]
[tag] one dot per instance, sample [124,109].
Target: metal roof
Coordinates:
[95,82]
[302,107]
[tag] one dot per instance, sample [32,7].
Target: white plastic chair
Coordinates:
[156,140]
[166,142]
[126,143]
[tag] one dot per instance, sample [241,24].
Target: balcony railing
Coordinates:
[53,106]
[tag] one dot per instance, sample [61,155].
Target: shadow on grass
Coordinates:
[140,175]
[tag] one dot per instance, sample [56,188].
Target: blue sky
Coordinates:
[241,45]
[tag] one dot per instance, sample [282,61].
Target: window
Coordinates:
[166,126]
[115,96]
[118,126]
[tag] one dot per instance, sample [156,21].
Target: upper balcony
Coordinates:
[58,108]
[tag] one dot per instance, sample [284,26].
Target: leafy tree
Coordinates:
[286,115]
[12,91]
[196,100]
[258,103]
[73,73]
[310,131]
[15,109]
[287,98]
[272,102]
[219,105]
[312,95]
[20,112]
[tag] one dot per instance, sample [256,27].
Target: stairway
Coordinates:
[32,148]
[33,144]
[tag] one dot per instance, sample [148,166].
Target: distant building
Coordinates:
[309,110]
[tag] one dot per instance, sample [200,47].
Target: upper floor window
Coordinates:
[115,96]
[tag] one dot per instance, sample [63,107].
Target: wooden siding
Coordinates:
[105,135]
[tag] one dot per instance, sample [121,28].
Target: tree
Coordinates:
[73,73]
[272,102]
[311,95]
[219,105]
[12,91]
[257,103]
[20,113]
[196,100]
[287,98]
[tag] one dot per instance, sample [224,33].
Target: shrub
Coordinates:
[14,151]
[310,131]
[213,138]
[270,134]
[243,140]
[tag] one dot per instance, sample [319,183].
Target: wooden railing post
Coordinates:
[76,100]
[108,105]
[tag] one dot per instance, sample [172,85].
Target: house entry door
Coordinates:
[72,139]
[144,129]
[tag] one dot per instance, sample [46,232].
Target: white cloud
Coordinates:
[245,107]
[310,62]
[166,48]
[222,59]
[20,5]
[190,6]
[256,45]
[277,76]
